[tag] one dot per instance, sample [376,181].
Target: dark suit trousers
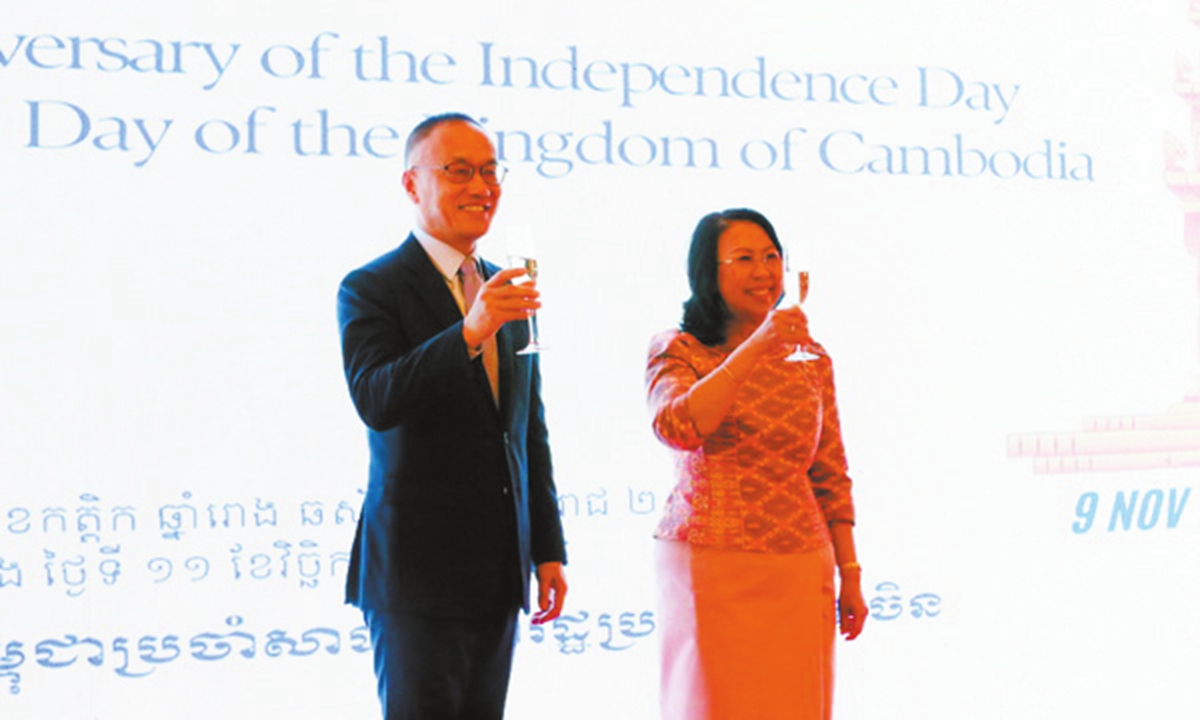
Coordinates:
[439,668]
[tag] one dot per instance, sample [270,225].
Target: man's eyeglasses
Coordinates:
[460,173]
[746,262]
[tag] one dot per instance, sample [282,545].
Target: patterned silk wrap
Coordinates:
[773,476]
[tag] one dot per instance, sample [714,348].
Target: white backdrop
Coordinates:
[180,465]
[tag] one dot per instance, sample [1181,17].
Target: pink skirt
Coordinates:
[745,635]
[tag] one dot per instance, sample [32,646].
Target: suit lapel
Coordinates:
[429,282]
[432,290]
[504,348]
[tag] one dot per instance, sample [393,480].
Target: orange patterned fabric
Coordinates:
[773,475]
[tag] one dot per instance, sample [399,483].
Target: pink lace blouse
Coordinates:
[773,476]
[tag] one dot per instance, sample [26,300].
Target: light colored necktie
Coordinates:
[471,282]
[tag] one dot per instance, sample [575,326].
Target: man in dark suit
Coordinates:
[461,505]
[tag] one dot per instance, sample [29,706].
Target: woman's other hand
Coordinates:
[852,609]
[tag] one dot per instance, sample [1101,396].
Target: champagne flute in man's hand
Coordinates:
[522,253]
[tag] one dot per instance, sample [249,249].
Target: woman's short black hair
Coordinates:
[705,315]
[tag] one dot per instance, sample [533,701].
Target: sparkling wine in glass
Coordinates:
[522,253]
[795,287]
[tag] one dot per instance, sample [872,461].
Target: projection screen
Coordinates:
[1001,207]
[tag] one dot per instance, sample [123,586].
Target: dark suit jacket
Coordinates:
[461,500]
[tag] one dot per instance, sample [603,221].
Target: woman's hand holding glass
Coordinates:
[783,330]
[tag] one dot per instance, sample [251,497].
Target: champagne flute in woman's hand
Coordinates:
[795,288]
[522,253]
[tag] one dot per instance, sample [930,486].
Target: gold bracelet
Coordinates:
[849,566]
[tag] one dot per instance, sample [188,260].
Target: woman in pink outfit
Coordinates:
[761,513]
